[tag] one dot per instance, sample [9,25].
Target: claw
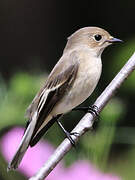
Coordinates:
[91,109]
[94,110]
[70,138]
[68,135]
[74,133]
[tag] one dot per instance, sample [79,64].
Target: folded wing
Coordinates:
[59,82]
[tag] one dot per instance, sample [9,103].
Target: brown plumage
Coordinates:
[64,80]
[71,81]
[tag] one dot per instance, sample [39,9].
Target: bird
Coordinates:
[71,82]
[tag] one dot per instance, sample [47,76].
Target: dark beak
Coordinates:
[113,40]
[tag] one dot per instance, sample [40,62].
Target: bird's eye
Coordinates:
[97,37]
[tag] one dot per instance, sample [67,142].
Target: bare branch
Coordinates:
[86,122]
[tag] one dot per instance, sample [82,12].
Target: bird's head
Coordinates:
[97,39]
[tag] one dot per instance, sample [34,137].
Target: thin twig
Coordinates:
[86,122]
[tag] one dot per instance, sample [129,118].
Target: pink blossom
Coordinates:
[35,158]
[84,170]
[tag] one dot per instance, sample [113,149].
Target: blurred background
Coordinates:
[32,37]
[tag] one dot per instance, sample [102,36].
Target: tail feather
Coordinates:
[23,145]
[42,131]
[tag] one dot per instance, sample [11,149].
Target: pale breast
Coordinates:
[87,78]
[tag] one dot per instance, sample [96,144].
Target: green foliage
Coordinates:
[17,94]
[98,144]
[15,99]
[124,52]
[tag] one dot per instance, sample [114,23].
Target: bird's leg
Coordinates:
[68,134]
[90,109]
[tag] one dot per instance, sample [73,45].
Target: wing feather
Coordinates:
[55,88]
[59,82]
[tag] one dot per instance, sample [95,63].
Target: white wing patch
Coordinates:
[44,96]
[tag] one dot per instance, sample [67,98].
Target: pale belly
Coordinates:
[82,88]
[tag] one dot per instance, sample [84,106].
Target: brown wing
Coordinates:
[65,69]
[50,94]
[59,81]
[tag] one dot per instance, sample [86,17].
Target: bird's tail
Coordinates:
[23,145]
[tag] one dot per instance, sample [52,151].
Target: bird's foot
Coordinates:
[93,110]
[68,134]
[90,109]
